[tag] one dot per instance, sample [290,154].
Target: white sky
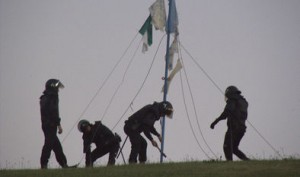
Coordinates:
[252,44]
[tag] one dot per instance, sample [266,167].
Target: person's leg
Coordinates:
[135,147]
[48,146]
[113,151]
[237,137]
[143,150]
[59,154]
[227,146]
[45,155]
[97,153]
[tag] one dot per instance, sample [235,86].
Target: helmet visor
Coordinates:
[169,113]
[59,85]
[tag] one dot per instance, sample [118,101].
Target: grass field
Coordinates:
[270,168]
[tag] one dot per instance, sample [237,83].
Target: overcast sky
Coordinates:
[253,44]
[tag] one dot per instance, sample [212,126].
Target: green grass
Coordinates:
[270,168]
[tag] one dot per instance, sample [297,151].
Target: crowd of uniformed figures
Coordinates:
[141,121]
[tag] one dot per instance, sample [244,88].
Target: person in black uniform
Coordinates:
[51,124]
[103,137]
[143,121]
[236,113]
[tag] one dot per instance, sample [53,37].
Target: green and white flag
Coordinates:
[146,31]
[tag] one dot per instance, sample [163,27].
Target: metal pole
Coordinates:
[122,147]
[166,81]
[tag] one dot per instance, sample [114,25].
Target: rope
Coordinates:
[98,91]
[220,90]
[204,72]
[122,83]
[123,79]
[100,88]
[141,85]
[192,98]
[265,140]
[192,129]
[116,91]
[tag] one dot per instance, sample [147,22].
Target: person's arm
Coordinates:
[147,133]
[88,159]
[149,128]
[54,109]
[56,117]
[87,151]
[227,111]
[149,136]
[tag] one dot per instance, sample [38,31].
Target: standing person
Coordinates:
[103,137]
[143,121]
[236,113]
[51,124]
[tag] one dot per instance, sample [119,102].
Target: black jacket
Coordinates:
[49,108]
[236,112]
[100,135]
[144,119]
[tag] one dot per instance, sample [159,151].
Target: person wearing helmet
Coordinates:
[143,121]
[51,123]
[103,137]
[235,112]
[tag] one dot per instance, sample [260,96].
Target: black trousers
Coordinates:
[100,151]
[52,143]
[231,144]
[138,145]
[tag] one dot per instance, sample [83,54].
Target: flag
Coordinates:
[173,18]
[172,50]
[172,74]
[158,14]
[146,31]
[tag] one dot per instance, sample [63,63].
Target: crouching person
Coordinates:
[143,121]
[104,139]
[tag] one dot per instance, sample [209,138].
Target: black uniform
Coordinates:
[105,140]
[50,120]
[142,121]
[236,113]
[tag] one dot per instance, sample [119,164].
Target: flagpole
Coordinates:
[166,80]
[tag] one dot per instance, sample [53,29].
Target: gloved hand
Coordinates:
[60,130]
[154,143]
[160,138]
[212,125]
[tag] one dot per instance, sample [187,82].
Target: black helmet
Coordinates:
[82,125]
[54,84]
[232,90]
[167,108]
